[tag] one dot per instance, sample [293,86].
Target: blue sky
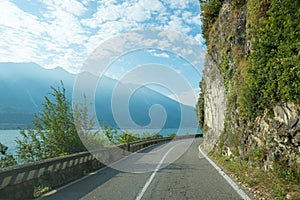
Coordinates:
[126,69]
[64,33]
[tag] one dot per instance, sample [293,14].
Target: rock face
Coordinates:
[214,90]
[273,138]
[215,103]
[273,135]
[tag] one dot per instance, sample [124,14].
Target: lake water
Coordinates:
[8,137]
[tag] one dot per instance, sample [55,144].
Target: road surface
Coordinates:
[189,177]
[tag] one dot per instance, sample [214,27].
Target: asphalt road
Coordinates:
[191,176]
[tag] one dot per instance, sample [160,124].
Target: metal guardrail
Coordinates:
[19,182]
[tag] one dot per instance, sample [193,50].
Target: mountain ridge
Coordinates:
[23,92]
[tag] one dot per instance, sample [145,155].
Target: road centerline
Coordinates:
[142,192]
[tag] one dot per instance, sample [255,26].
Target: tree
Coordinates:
[54,133]
[85,125]
[8,160]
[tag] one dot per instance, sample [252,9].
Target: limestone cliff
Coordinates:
[215,103]
[251,84]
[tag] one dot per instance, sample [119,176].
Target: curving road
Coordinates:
[191,176]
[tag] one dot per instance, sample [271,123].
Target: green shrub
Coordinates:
[238,3]
[274,70]
[7,161]
[200,107]
[210,12]
[172,135]
[54,132]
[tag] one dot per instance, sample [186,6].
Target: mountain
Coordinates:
[24,85]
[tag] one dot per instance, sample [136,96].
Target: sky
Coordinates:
[65,33]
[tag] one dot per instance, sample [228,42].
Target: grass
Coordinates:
[275,184]
[40,190]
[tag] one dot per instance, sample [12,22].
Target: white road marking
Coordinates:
[226,177]
[139,197]
[92,173]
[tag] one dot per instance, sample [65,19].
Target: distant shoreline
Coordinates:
[8,136]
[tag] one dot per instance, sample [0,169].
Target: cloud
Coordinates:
[187,97]
[200,39]
[157,53]
[11,17]
[70,6]
[64,33]
[175,4]
[162,55]
[46,41]
[105,12]
[155,42]
[176,24]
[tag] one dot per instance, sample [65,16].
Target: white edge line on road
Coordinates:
[141,194]
[93,173]
[226,177]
